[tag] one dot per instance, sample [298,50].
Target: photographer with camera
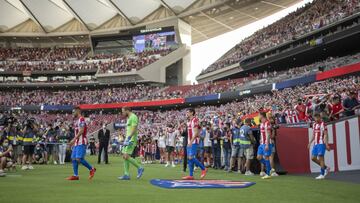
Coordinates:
[51,134]
[13,134]
[29,133]
[39,154]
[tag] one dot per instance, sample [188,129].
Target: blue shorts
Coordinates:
[318,150]
[78,152]
[192,151]
[261,150]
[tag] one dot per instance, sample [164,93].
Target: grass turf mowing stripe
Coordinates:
[47,184]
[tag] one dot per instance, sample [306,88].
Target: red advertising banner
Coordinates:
[133,104]
[353,68]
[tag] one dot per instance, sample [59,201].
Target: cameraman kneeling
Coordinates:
[39,154]
[5,156]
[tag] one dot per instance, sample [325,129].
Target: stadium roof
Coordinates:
[208,18]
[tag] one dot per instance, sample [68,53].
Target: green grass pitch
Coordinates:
[47,184]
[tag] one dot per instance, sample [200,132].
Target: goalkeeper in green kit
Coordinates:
[130,144]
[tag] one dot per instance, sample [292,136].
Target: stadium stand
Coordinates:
[144,92]
[313,16]
[69,59]
[292,104]
[74,97]
[319,97]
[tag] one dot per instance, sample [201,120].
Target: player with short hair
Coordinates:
[193,142]
[79,143]
[272,142]
[265,147]
[130,143]
[320,139]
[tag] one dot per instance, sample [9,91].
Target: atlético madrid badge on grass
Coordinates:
[184,184]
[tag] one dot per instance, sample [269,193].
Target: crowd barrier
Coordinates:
[133,104]
[345,70]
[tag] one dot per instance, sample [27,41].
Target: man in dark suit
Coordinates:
[185,135]
[104,138]
[216,147]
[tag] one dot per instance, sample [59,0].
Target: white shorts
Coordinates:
[162,145]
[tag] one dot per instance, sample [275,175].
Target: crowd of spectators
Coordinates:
[144,92]
[312,16]
[68,59]
[43,59]
[313,96]
[63,54]
[24,54]
[74,97]
[129,62]
[47,66]
[319,97]
[265,77]
[333,99]
[43,54]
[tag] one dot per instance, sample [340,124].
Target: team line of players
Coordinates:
[265,149]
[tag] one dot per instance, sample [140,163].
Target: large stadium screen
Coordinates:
[153,41]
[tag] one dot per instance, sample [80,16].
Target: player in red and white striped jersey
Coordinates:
[82,139]
[79,144]
[193,128]
[320,139]
[265,147]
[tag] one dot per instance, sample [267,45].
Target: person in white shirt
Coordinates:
[170,145]
[161,145]
[179,148]
[207,144]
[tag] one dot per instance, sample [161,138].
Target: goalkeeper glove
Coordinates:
[127,142]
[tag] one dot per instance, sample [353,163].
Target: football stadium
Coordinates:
[179,101]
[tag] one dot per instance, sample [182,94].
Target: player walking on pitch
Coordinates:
[130,144]
[79,150]
[193,142]
[265,147]
[320,136]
